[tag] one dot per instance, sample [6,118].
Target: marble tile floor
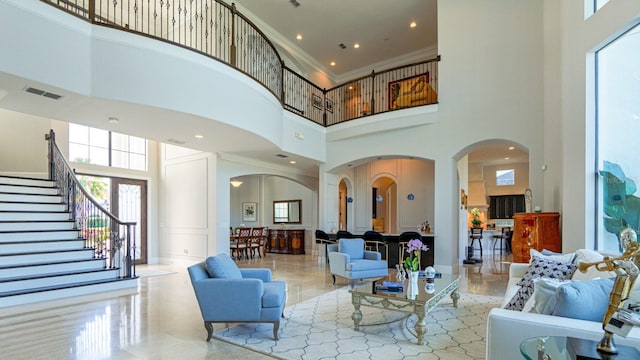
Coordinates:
[161,320]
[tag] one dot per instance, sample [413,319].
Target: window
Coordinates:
[504,206]
[617,128]
[101,147]
[505,177]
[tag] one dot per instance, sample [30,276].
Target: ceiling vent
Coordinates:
[282,155]
[176,142]
[32,90]
[295,3]
[342,46]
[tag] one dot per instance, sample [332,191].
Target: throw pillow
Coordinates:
[223,267]
[544,292]
[585,300]
[540,266]
[590,256]
[570,257]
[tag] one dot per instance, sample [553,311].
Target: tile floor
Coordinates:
[162,320]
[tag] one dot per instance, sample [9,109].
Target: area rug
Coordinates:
[322,328]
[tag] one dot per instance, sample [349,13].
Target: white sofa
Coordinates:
[506,329]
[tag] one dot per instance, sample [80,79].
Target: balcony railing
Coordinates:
[217,30]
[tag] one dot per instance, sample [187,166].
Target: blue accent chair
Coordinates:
[349,259]
[226,293]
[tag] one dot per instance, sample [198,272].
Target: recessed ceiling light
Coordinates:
[113,120]
[198,136]
[292,162]
[333,63]
[511,147]
[350,87]
[299,36]
[413,24]
[356,46]
[507,158]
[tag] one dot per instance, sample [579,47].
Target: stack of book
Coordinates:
[389,286]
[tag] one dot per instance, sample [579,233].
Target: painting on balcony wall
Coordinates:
[411,91]
[316,101]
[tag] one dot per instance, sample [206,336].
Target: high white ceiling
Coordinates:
[381,27]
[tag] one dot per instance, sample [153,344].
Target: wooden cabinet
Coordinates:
[289,241]
[535,231]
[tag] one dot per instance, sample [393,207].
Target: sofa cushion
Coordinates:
[585,300]
[590,256]
[569,257]
[366,265]
[222,266]
[353,247]
[540,266]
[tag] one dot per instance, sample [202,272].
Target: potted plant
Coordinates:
[475,221]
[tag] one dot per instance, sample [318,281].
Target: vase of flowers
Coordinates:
[411,263]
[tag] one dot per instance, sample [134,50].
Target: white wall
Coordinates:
[23,149]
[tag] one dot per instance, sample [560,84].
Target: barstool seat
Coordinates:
[501,237]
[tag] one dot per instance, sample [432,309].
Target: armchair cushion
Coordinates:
[364,265]
[222,267]
[352,247]
[274,294]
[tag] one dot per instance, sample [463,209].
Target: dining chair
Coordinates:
[238,247]
[254,242]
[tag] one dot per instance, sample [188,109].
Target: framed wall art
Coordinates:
[249,211]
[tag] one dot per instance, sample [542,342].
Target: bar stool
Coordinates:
[476,234]
[501,237]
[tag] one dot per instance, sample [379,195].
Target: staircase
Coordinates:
[42,256]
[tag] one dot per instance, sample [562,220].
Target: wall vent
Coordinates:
[32,90]
[282,155]
[295,3]
[342,46]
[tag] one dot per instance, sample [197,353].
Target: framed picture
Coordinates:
[249,211]
[328,104]
[316,101]
[408,91]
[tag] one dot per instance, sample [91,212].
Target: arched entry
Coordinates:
[481,168]
[384,205]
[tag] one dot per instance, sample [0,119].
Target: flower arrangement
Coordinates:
[414,247]
[476,222]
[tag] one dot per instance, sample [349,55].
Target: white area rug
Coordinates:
[321,328]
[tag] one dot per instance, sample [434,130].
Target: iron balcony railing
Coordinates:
[217,30]
[110,238]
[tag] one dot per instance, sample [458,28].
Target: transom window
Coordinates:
[505,177]
[101,147]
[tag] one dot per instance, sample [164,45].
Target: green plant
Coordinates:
[475,221]
[414,247]
[621,207]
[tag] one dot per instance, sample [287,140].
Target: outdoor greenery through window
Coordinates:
[101,147]
[617,129]
[505,177]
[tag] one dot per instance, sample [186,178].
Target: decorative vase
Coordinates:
[413,289]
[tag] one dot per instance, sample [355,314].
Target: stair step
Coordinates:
[51,267]
[22,247]
[22,206]
[14,180]
[17,225]
[45,257]
[60,292]
[33,235]
[20,285]
[28,189]
[30,198]
[34,215]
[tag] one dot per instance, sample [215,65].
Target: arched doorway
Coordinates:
[384,207]
[343,199]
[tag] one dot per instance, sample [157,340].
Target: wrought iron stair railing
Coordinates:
[109,237]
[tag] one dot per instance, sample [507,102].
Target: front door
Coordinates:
[129,199]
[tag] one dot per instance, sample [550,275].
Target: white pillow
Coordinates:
[590,256]
[559,257]
[544,291]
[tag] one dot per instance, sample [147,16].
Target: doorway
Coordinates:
[342,205]
[127,200]
[384,205]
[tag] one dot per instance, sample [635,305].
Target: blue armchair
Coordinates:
[349,259]
[226,293]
